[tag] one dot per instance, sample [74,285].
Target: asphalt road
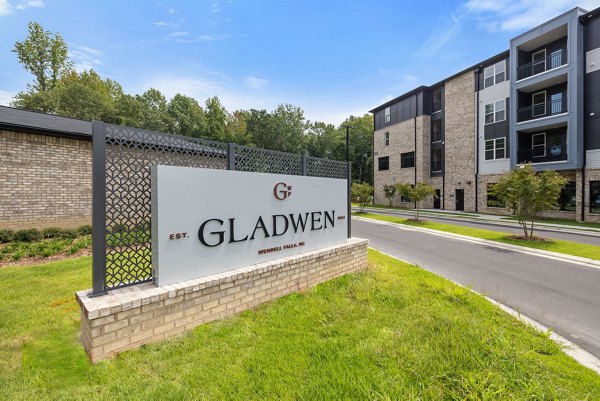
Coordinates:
[583,238]
[561,295]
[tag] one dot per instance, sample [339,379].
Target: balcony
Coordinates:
[542,64]
[540,110]
[542,154]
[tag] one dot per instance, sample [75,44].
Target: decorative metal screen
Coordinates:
[122,159]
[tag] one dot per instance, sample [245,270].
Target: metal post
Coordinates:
[98,208]
[231,156]
[303,164]
[349,179]
[347,143]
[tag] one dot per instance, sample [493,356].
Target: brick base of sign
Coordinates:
[129,317]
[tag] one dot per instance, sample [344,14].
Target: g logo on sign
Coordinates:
[282,191]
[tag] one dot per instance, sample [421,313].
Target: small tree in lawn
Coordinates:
[527,194]
[362,193]
[389,191]
[416,193]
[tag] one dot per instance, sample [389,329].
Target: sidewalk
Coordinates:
[486,218]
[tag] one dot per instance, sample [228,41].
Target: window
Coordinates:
[492,200]
[538,145]
[495,112]
[494,74]
[556,58]
[384,163]
[386,138]
[495,149]
[407,160]
[538,102]
[538,61]
[566,200]
[436,160]
[437,100]
[388,115]
[556,103]
[436,130]
[594,196]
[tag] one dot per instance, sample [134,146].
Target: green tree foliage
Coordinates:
[416,193]
[323,140]
[527,193]
[216,119]
[186,116]
[154,112]
[236,128]
[87,96]
[45,55]
[389,191]
[361,157]
[362,194]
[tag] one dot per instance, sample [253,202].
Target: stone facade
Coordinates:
[590,175]
[459,135]
[129,317]
[44,181]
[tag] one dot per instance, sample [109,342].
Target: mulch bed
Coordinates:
[36,260]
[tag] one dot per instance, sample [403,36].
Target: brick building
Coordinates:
[537,102]
[45,170]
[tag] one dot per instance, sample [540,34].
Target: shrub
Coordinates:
[51,232]
[68,234]
[6,236]
[28,235]
[84,230]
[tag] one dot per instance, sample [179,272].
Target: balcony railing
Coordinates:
[436,166]
[542,110]
[544,64]
[542,154]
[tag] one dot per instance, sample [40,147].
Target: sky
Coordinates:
[332,58]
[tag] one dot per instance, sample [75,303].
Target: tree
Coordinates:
[322,140]
[527,193]
[416,193]
[216,117]
[186,116]
[361,136]
[389,191]
[362,193]
[45,55]
[154,115]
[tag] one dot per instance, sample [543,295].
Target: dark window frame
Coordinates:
[407,160]
[386,138]
[491,200]
[383,163]
[567,202]
[594,197]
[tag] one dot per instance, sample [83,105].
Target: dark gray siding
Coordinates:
[592,89]
[500,129]
[403,110]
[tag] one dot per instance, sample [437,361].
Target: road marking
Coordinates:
[568,347]
[516,248]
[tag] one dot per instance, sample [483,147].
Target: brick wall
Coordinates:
[44,181]
[129,317]
[459,136]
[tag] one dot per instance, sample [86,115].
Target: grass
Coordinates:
[15,251]
[554,245]
[567,222]
[394,331]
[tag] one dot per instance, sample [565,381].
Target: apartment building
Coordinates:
[537,102]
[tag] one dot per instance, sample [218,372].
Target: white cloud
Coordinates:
[6,97]
[215,7]
[440,36]
[178,34]
[31,4]
[5,7]
[254,82]
[86,58]
[519,15]
[205,38]
[172,11]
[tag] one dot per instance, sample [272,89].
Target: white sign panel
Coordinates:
[210,221]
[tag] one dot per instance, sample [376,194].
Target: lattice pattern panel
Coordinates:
[267,161]
[130,153]
[317,167]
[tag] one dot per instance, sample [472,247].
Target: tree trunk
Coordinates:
[524,226]
[417,211]
[531,232]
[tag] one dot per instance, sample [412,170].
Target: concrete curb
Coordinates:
[515,248]
[590,231]
[573,350]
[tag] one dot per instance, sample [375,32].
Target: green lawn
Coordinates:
[394,331]
[561,221]
[560,246]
